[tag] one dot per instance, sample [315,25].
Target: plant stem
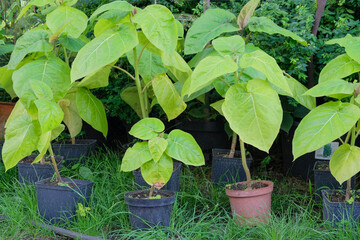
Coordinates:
[138,85]
[348,187]
[233,145]
[73,140]
[52,156]
[239,76]
[243,159]
[42,161]
[123,70]
[227,84]
[151,191]
[66,57]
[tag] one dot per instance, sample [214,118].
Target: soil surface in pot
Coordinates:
[323,166]
[30,160]
[145,194]
[236,155]
[56,183]
[338,196]
[243,186]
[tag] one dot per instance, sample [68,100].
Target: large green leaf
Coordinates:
[177,65]
[351,44]
[73,44]
[159,26]
[18,110]
[43,145]
[30,42]
[21,139]
[344,163]
[130,96]
[52,71]
[322,125]
[135,157]
[55,133]
[50,114]
[218,106]
[91,110]
[75,19]
[207,70]
[246,13]
[147,128]
[336,88]
[102,26]
[158,173]
[6,80]
[157,147]
[97,79]
[266,64]
[183,147]
[72,118]
[122,8]
[233,46]
[264,24]
[254,112]
[211,24]
[167,96]
[339,67]
[103,50]
[41,90]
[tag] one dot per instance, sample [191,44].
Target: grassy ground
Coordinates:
[201,211]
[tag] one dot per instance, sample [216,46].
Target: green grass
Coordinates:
[201,210]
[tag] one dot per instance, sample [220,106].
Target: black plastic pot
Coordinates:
[73,152]
[324,179]
[31,173]
[57,203]
[228,170]
[338,211]
[172,185]
[146,213]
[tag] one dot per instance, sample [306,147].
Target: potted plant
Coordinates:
[153,55]
[249,80]
[330,121]
[42,82]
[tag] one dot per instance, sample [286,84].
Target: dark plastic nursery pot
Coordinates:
[172,185]
[30,173]
[228,170]
[57,203]
[73,152]
[325,180]
[147,213]
[339,211]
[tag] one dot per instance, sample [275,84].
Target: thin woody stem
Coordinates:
[123,70]
[54,164]
[243,160]
[151,191]
[233,145]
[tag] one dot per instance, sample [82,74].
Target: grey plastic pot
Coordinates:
[147,213]
[31,173]
[72,153]
[56,203]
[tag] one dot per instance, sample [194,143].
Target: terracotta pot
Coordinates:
[5,110]
[251,206]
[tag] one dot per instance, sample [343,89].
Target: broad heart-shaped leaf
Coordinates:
[121,7]
[159,26]
[167,96]
[63,14]
[339,67]
[43,145]
[183,147]
[73,44]
[21,139]
[147,128]
[30,42]
[246,13]
[351,44]
[265,63]
[135,157]
[218,106]
[97,79]
[336,88]
[55,133]
[50,114]
[157,147]
[102,26]
[130,96]
[6,81]
[344,163]
[41,89]
[52,71]
[149,65]
[233,46]
[103,50]
[209,69]
[157,173]
[72,117]
[254,112]
[18,110]
[177,65]
[91,110]
[322,125]
[264,24]
[211,24]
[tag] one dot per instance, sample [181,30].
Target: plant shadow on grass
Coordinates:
[201,210]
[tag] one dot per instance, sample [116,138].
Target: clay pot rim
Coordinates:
[8,103]
[251,193]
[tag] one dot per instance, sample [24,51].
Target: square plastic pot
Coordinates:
[228,170]
[57,203]
[30,173]
[73,152]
